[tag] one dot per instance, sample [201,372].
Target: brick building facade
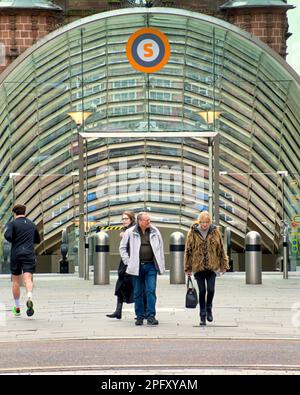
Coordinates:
[269,24]
[21,27]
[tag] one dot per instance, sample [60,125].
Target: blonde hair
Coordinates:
[204,215]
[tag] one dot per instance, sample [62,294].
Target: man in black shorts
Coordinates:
[22,234]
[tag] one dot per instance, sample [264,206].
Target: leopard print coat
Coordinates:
[194,258]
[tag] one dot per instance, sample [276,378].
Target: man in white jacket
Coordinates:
[142,250]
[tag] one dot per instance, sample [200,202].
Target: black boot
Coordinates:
[202,319]
[118,313]
[209,315]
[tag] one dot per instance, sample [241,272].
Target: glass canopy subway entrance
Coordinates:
[173,176]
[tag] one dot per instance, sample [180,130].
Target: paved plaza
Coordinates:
[67,307]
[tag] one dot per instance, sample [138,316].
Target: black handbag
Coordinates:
[191,299]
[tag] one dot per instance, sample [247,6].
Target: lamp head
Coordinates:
[79,116]
[209,116]
[283,173]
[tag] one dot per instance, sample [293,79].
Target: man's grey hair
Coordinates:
[140,215]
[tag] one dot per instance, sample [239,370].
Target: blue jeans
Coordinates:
[146,279]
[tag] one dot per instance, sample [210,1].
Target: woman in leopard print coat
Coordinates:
[204,256]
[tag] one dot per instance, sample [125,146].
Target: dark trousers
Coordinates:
[206,283]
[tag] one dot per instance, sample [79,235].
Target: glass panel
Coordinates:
[5,215]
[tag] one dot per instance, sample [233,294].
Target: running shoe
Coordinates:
[30,310]
[16,311]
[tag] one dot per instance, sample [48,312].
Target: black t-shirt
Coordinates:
[22,234]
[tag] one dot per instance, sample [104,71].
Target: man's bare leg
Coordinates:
[27,278]
[16,282]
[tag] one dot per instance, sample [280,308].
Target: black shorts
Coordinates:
[19,267]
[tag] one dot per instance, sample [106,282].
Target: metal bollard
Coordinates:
[6,257]
[285,245]
[177,247]
[86,263]
[91,254]
[253,258]
[101,267]
[64,263]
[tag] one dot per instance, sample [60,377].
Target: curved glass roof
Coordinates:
[214,66]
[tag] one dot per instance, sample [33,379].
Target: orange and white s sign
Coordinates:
[148,50]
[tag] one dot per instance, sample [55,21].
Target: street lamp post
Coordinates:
[285,237]
[213,166]
[79,117]
[81,249]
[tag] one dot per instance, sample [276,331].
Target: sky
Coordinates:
[293,42]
